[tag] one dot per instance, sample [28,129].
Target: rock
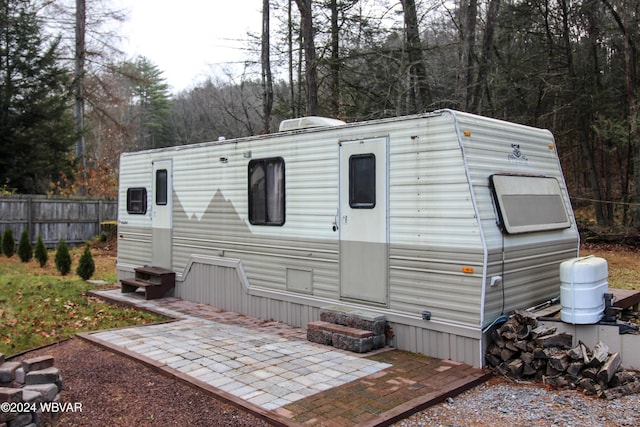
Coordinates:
[8,372]
[48,391]
[42,376]
[37,363]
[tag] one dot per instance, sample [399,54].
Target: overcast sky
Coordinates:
[186,38]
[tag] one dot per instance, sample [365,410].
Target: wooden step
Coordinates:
[157,282]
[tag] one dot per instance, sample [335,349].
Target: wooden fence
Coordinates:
[73,219]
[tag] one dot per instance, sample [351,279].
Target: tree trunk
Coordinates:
[486,58]
[267,81]
[630,57]
[81,20]
[584,117]
[311,69]
[468,16]
[292,93]
[335,61]
[419,91]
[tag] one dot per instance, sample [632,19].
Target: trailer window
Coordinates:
[362,181]
[528,203]
[161,187]
[137,201]
[266,192]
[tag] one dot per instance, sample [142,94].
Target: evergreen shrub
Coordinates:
[8,243]
[40,252]
[25,248]
[86,266]
[63,258]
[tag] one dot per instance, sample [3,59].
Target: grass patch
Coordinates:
[623,263]
[38,306]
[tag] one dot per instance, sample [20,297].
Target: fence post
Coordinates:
[30,218]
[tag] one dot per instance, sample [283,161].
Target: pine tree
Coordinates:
[86,266]
[8,243]
[25,248]
[153,105]
[40,252]
[37,129]
[63,258]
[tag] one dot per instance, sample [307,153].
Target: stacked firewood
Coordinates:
[522,349]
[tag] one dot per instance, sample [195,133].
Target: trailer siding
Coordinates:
[418,216]
[443,241]
[530,270]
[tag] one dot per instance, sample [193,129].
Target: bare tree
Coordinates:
[267,80]
[310,61]
[79,57]
[468,16]
[486,57]
[623,21]
[334,63]
[419,91]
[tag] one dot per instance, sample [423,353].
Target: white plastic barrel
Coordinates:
[583,283]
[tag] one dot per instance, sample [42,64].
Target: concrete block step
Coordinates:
[354,318]
[344,337]
[340,329]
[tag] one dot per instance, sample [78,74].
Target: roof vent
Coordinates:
[308,122]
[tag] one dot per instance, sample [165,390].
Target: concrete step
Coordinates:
[353,330]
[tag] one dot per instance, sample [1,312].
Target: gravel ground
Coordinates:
[501,403]
[118,391]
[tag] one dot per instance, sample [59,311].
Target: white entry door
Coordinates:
[363,224]
[162,214]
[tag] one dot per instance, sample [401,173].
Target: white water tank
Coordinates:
[583,283]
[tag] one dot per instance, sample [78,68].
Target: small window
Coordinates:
[529,203]
[137,201]
[161,187]
[266,192]
[362,181]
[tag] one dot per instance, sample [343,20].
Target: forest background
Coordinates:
[71,101]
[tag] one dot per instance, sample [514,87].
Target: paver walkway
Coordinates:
[269,369]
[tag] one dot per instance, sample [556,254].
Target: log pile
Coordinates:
[521,349]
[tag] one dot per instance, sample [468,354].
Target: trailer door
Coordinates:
[161,214]
[363,220]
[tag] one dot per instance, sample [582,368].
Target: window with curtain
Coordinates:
[266,191]
[137,200]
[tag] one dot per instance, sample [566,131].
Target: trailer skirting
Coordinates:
[221,282]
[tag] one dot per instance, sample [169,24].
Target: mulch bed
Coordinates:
[118,391]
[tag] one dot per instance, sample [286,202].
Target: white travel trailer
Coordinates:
[441,222]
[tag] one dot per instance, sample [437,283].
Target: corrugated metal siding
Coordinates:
[433,226]
[429,208]
[432,279]
[218,283]
[134,245]
[211,212]
[219,286]
[437,343]
[531,260]
[433,229]
[134,231]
